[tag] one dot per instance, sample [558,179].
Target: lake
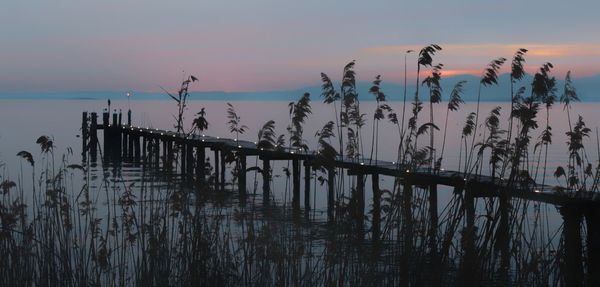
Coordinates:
[267,242]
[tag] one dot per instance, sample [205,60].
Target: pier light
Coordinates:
[292,152]
[173,135]
[217,137]
[203,135]
[262,148]
[441,169]
[234,140]
[464,179]
[161,134]
[255,143]
[393,162]
[140,130]
[537,191]
[239,146]
[150,131]
[362,163]
[408,170]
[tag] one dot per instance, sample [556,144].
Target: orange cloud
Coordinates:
[551,50]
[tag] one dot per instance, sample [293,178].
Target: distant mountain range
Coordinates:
[587,90]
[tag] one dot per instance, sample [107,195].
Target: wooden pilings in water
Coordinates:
[592,219]
[296,183]
[376,225]
[572,267]
[266,178]
[306,185]
[194,160]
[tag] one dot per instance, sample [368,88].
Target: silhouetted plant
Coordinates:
[235,124]
[453,105]
[435,97]
[543,88]
[400,146]
[517,73]
[298,113]
[569,95]
[181,99]
[489,77]
[200,123]
[380,108]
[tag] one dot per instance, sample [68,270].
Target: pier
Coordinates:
[124,140]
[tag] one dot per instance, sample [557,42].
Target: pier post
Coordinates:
[330,192]
[124,143]
[170,156]
[266,177]
[136,147]
[164,153]
[150,151]
[93,135]
[183,160]
[242,174]
[144,146]
[223,154]
[200,157]
[376,224]
[359,197]
[157,151]
[407,231]
[307,185]
[190,161]
[433,231]
[84,133]
[296,183]
[217,169]
[130,139]
[129,117]
[107,134]
[468,271]
[573,267]
[592,219]
[115,141]
[503,238]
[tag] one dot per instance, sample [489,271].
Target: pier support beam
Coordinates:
[93,136]
[330,192]
[242,175]
[217,169]
[376,224]
[468,272]
[182,159]
[189,158]
[223,166]
[266,177]
[157,152]
[359,197]
[200,157]
[306,185]
[434,256]
[136,147]
[503,238]
[407,232]
[592,220]
[573,261]
[84,133]
[296,183]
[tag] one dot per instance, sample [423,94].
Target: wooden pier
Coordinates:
[128,141]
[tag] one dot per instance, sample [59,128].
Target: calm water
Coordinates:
[23,121]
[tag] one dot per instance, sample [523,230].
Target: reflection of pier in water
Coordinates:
[488,246]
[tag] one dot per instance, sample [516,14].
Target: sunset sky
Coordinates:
[276,45]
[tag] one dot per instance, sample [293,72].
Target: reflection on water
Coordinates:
[120,221]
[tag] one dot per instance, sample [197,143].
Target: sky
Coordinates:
[265,45]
